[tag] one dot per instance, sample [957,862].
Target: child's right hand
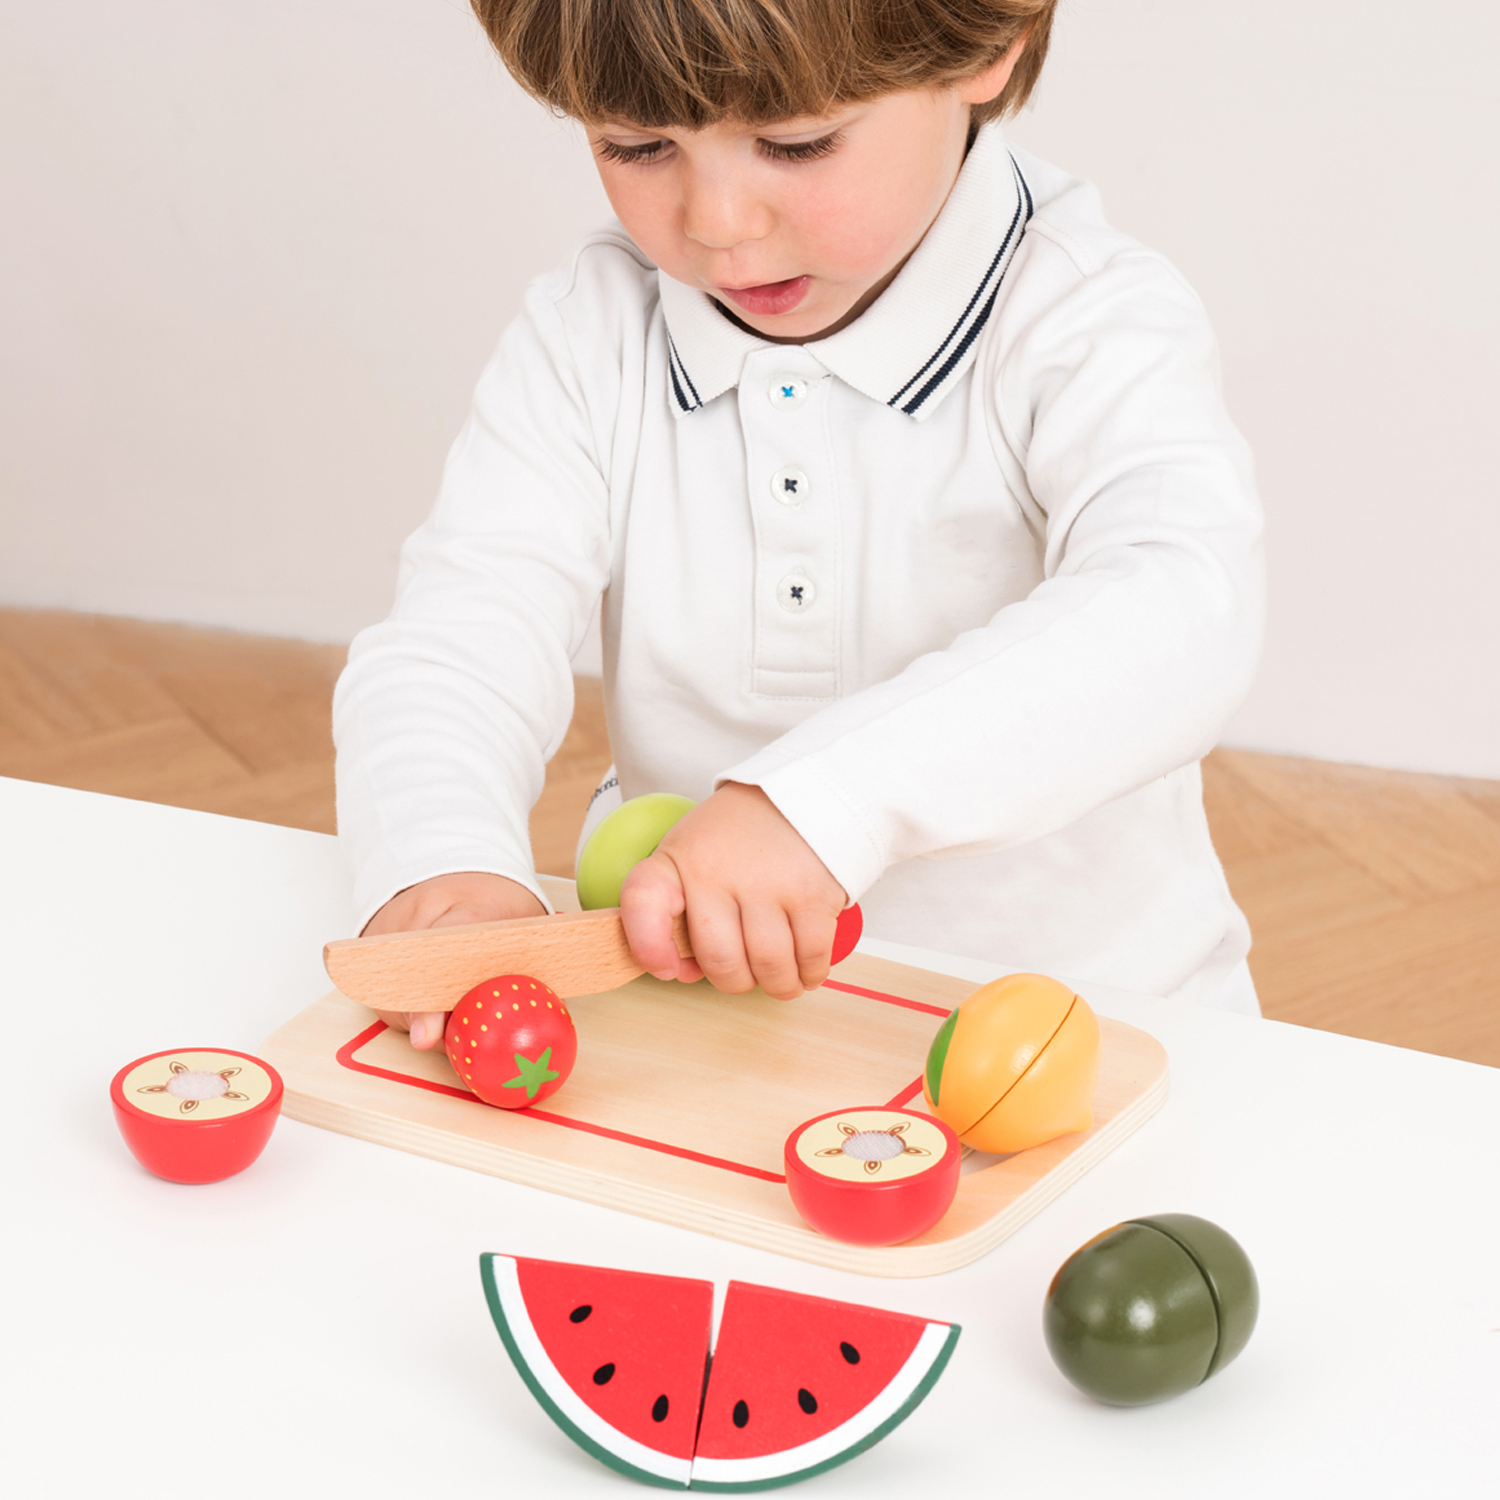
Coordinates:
[761,907]
[446,901]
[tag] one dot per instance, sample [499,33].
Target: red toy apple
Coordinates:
[196,1114]
[512,1041]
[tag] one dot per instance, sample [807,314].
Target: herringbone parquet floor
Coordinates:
[1374,896]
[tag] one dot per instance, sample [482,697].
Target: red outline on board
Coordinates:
[854,989]
[346,1058]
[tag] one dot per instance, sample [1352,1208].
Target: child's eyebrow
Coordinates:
[801,125]
[628,125]
[793,127]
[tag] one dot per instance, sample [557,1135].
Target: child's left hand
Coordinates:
[761,906]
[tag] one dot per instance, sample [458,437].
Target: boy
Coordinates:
[929,559]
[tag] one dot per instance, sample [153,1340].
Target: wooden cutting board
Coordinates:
[682,1098]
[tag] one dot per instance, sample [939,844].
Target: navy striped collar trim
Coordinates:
[949,357]
[684,392]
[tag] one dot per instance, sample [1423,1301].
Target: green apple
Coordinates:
[621,842]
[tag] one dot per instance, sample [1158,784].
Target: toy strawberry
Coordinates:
[511,1040]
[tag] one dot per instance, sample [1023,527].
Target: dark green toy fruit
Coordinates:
[1150,1308]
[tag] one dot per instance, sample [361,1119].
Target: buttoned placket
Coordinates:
[783,397]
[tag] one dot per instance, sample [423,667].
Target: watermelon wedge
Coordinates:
[797,1385]
[801,1384]
[617,1358]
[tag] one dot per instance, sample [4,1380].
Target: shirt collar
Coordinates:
[918,338]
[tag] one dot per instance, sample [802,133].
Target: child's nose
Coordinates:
[722,213]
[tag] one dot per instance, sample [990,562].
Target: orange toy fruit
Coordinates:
[1015,1065]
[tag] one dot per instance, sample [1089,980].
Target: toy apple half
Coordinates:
[872,1176]
[196,1114]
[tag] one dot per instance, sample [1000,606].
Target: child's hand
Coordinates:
[761,906]
[446,901]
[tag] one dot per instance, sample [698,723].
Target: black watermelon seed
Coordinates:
[659,1411]
[807,1401]
[604,1374]
[850,1353]
[741,1414]
[579,1313]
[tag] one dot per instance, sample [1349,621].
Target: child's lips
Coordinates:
[769,298]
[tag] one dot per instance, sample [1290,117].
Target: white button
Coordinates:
[790,486]
[788,392]
[795,593]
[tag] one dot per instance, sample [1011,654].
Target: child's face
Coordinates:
[797,227]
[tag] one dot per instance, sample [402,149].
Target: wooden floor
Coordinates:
[1374,896]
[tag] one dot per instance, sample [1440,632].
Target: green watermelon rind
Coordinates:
[859,1445]
[545,1398]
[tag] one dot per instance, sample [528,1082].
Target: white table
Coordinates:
[316,1326]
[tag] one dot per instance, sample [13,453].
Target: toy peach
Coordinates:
[196,1114]
[873,1176]
[1015,1065]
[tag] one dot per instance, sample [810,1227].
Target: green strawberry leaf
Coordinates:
[533,1074]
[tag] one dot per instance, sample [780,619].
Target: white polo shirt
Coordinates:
[968,588]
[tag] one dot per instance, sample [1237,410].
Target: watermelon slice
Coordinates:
[798,1384]
[801,1384]
[617,1358]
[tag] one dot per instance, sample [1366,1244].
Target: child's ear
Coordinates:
[987,85]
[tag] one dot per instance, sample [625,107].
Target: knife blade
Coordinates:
[575,953]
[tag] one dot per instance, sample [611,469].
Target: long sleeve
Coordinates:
[449,709]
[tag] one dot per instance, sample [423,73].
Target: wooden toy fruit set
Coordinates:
[682,1100]
[669,1100]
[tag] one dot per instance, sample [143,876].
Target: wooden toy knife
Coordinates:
[575,953]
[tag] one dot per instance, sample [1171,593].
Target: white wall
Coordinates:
[1325,173]
[255,256]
